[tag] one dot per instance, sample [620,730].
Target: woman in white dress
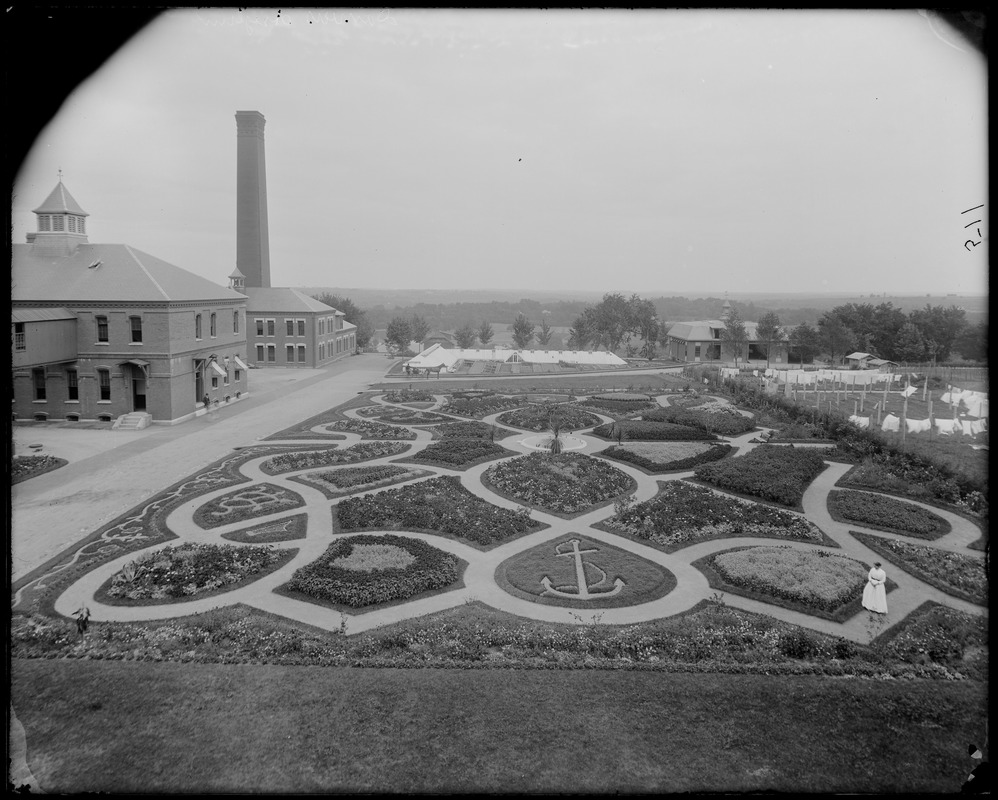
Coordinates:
[874,593]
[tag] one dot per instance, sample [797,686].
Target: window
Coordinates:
[322,325]
[212,324]
[72,224]
[72,384]
[235,322]
[214,381]
[271,352]
[38,381]
[239,375]
[19,336]
[136,324]
[197,326]
[104,381]
[301,327]
[259,327]
[270,327]
[44,222]
[225,380]
[291,326]
[291,353]
[259,352]
[101,328]
[57,223]
[301,354]
[81,225]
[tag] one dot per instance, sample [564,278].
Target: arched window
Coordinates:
[197,326]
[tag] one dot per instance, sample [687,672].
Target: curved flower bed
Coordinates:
[366,570]
[400,416]
[459,453]
[682,514]
[371,430]
[725,420]
[246,502]
[779,473]
[568,483]
[634,430]
[439,505]
[658,457]
[408,396]
[350,480]
[954,573]
[481,406]
[24,467]
[308,459]
[278,530]
[187,571]
[813,578]
[471,429]
[619,404]
[886,514]
[536,418]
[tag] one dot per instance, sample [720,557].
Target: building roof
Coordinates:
[99,273]
[285,300]
[40,314]
[60,201]
[702,330]
[859,356]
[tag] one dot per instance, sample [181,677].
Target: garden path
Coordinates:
[479,582]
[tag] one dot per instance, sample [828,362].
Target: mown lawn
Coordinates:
[185,728]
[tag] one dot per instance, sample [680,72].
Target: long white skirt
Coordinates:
[875,597]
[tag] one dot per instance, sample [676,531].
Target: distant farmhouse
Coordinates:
[700,341]
[867,361]
[104,330]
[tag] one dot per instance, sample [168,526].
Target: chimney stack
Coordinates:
[252,239]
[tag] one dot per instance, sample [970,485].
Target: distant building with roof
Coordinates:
[869,361]
[105,330]
[701,340]
[287,327]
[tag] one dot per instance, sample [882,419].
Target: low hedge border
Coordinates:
[101,595]
[838,517]
[562,515]
[841,614]
[875,543]
[53,463]
[649,467]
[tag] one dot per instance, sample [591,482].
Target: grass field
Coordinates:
[185,728]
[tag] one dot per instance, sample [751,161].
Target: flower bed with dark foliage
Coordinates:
[371,430]
[439,505]
[682,514]
[481,406]
[724,421]
[618,405]
[459,453]
[366,570]
[954,573]
[307,459]
[636,430]
[468,430]
[246,502]
[815,579]
[886,514]
[408,396]
[536,417]
[189,570]
[24,467]
[568,483]
[658,458]
[400,416]
[778,473]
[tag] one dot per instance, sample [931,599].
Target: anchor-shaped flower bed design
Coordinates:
[579,572]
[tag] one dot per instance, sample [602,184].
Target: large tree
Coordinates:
[579,334]
[735,336]
[910,346]
[465,336]
[419,328]
[523,331]
[352,314]
[940,328]
[769,331]
[972,344]
[836,338]
[399,333]
[804,341]
[485,333]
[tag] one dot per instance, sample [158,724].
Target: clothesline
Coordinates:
[945,427]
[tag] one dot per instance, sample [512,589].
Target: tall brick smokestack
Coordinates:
[252,239]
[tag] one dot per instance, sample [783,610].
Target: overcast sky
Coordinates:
[660,152]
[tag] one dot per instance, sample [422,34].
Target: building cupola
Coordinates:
[61,224]
[237,281]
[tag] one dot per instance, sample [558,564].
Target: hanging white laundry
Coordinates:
[967,427]
[918,425]
[946,398]
[947,427]
[755,373]
[909,391]
[973,404]
[891,423]
[978,426]
[860,422]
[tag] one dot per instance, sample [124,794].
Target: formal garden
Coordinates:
[449,538]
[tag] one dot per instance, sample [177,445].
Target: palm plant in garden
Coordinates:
[555,423]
